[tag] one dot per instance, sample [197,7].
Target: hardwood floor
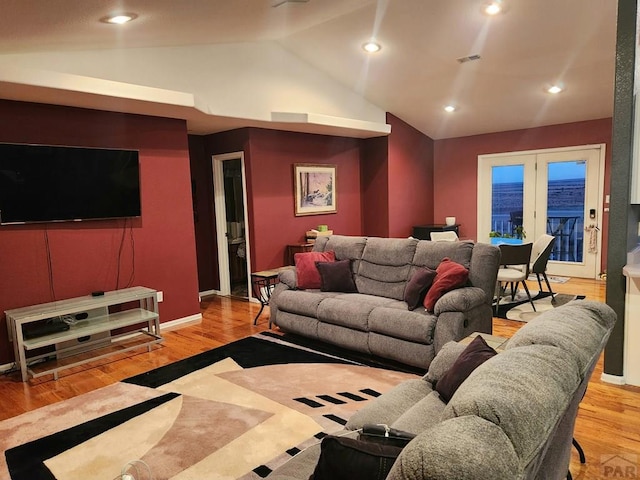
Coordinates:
[608,422]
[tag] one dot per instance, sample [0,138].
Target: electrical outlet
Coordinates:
[160,297]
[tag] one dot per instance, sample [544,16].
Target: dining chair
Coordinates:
[515,269]
[540,254]
[448,236]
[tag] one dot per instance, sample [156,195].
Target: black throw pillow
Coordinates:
[343,458]
[417,287]
[336,276]
[476,353]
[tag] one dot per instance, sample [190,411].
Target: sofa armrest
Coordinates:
[289,278]
[460,300]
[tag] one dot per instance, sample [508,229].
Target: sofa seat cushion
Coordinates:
[421,416]
[302,302]
[345,312]
[500,391]
[352,310]
[416,326]
[390,406]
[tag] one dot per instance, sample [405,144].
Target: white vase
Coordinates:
[450,220]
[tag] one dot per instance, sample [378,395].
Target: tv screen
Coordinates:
[43,183]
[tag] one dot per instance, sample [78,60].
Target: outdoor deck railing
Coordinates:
[568,231]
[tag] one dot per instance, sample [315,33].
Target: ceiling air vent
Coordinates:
[470,58]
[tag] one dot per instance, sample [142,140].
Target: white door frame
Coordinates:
[483,197]
[221,220]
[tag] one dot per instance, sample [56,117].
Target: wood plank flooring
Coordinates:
[608,422]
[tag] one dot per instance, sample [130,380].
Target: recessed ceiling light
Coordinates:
[493,8]
[553,89]
[371,47]
[119,19]
[450,108]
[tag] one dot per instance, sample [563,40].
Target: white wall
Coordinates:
[242,80]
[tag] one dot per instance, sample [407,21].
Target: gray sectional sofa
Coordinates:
[512,418]
[376,320]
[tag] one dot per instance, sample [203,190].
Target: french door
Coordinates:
[523,195]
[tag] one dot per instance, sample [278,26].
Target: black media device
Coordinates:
[45,183]
[97,293]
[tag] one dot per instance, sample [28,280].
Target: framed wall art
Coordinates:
[315,189]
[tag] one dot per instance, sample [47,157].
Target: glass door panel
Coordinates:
[567,203]
[565,209]
[507,202]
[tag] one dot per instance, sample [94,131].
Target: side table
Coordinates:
[297,248]
[423,232]
[262,284]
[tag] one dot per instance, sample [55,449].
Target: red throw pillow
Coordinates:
[449,275]
[306,270]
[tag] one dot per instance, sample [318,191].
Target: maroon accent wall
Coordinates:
[273,223]
[84,255]
[374,172]
[203,213]
[269,158]
[456,165]
[397,181]
[410,178]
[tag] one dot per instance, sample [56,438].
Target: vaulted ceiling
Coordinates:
[529,46]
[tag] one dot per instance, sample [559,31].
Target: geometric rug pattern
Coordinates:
[234,412]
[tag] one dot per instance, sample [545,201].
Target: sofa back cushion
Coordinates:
[524,391]
[345,247]
[385,266]
[532,389]
[430,254]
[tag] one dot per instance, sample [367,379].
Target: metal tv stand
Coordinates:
[99,326]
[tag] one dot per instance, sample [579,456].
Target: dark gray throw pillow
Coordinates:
[336,276]
[418,286]
[344,458]
[476,353]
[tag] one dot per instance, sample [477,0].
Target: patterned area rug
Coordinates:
[520,308]
[235,412]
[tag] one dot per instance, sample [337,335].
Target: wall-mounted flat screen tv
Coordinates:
[44,183]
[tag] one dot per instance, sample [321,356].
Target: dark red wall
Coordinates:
[410,178]
[203,213]
[270,161]
[374,171]
[84,255]
[456,165]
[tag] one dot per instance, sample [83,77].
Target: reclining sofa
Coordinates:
[512,418]
[376,320]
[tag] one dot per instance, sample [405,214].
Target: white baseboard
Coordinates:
[181,322]
[614,379]
[208,293]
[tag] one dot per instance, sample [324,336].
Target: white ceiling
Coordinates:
[532,44]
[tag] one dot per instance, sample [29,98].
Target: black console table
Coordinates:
[423,232]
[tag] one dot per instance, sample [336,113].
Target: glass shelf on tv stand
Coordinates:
[107,326]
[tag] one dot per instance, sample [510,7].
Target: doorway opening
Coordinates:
[231,224]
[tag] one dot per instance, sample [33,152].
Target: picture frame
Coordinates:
[314,189]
